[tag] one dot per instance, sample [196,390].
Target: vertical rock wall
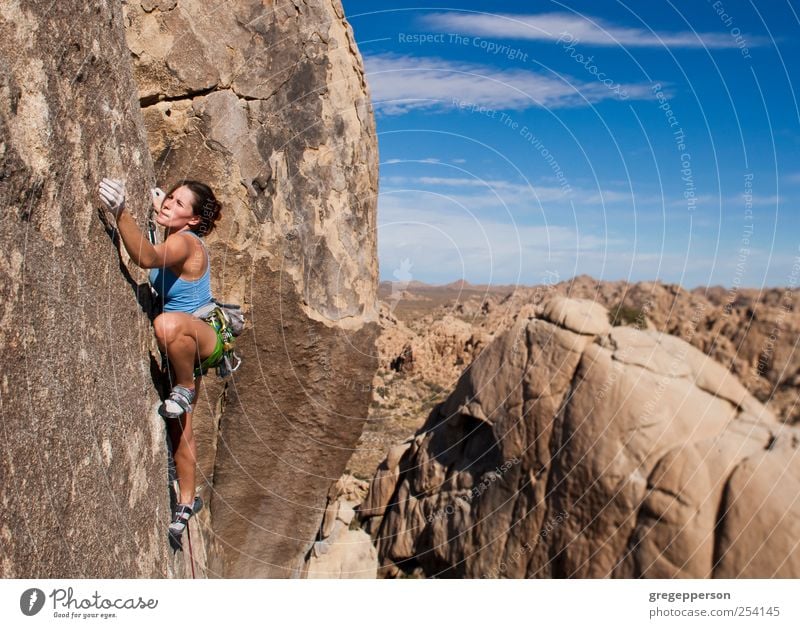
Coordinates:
[83,471]
[266,101]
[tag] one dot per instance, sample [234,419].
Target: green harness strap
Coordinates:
[224,342]
[212,360]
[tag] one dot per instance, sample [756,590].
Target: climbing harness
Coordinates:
[227,321]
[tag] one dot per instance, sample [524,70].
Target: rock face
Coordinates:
[343,549]
[268,104]
[83,471]
[573,449]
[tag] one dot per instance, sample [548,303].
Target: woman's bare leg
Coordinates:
[184,339]
[184,453]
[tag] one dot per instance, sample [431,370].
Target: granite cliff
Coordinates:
[83,479]
[268,104]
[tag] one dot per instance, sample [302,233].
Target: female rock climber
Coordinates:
[180,275]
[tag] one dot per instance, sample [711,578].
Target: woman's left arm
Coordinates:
[112,193]
[138,246]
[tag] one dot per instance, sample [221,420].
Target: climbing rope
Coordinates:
[191,554]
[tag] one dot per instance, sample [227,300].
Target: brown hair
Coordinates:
[205,205]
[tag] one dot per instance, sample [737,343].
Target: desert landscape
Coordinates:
[568,427]
[432,336]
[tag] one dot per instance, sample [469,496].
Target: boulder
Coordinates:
[748,331]
[342,549]
[579,315]
[350,556]
[572,449]
[385,481]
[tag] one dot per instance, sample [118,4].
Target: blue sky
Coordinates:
[525,141]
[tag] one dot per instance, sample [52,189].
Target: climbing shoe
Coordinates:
[178,403]
[180,519]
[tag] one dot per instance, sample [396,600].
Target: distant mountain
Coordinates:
[458,285]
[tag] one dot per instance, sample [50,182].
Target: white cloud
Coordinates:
[496,192]
[445,245]
[585,29]
[399,84]
[481,231]
[452,245]
[425,160]
[499,191]
[762,201]
[714,201]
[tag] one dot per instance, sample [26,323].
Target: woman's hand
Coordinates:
[112,193]
[158,198]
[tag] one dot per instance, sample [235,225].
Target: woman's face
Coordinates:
[176,211]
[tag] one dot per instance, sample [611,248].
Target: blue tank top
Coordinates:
[179,295]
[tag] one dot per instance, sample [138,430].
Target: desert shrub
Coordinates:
[625,315]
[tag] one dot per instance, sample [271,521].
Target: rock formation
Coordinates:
[571,448]
[751,332]
[415,367]
[343,550]
[268,104]
[83,472]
